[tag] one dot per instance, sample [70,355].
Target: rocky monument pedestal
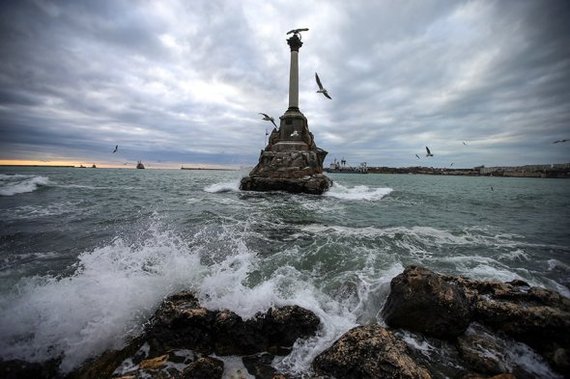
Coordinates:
[291,161]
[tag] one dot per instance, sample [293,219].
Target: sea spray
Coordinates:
[112,292]
[11,185]
[333,254]
[361,192]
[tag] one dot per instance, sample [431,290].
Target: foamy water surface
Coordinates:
[88,255]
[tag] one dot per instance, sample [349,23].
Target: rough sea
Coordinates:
[87,255]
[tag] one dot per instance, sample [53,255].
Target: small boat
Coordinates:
[140,165]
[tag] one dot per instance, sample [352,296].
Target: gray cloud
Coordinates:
[183,81]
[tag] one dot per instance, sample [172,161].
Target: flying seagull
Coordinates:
[560,140]
[321,88]
[465,143]
[116,148]
[268,118]
[429,154]
[451,164]
[418,156]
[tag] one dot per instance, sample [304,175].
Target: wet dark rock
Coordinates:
[181,322]
[422,301]
[259,365]
[181,326]
[439,356]
[315,184]
[536,316]
[368,352]
[500,376]
[105,364]
[204,368]
[443,306]
[17,369]
[482,352]
[442,326]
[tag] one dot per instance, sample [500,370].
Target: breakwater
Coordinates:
[528,171]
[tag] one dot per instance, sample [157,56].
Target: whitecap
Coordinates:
[114,290]
[15,184]
[232,186]
[360,192]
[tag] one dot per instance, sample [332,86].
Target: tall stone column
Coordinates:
[295,44]
[291,161]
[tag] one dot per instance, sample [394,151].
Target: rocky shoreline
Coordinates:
[436,326]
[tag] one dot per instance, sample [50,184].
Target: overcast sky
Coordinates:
[182,82]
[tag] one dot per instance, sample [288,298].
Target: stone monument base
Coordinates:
[297,171]
[315,184]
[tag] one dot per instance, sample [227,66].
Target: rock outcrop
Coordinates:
[438,326]
[182,334]
[368,352]
[422,301]
[444,306]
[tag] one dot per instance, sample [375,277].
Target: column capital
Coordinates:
[295,43]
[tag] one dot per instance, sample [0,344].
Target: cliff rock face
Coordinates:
[291,161]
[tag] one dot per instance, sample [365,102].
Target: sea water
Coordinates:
[87,255]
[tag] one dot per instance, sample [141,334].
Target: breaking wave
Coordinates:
[11,185]
[361,192]
[223,187]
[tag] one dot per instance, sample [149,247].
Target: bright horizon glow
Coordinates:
[150,165]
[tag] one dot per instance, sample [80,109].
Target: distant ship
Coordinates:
[140,165]
[344,168]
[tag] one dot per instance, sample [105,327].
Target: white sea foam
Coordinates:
[117,287]
[427,235]
[36,211]
[232,186]
[112,292]
[357,192]
[11,185]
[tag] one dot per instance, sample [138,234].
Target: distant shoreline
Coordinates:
[208,169]
[34,165]
[561,171]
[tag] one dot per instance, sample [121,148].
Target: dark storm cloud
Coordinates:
[173,79]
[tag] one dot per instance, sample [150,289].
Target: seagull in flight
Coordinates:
[268,118]
[429,154]
[116,148]
[321,88]
[560,140]
[465,143]
[418,156]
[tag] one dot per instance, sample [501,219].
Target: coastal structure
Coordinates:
[291,161]
[341,167]
[558,170]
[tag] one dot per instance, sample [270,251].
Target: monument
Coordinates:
[291,161]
